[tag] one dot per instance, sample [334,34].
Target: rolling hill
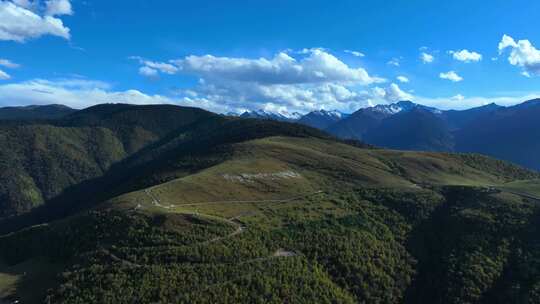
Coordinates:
[213,209]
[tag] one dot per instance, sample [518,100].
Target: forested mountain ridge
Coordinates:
[230,210]
[39,160]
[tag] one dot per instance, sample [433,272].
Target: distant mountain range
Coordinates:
[508,133]
[262,114]
[322,119]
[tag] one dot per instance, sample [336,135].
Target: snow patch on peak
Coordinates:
[333,113]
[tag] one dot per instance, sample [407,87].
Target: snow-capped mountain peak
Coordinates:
[333,113]
[262,114]
[402,106]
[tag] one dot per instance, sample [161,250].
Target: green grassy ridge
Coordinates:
[191,148]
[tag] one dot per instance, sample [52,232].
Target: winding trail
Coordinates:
[234,221]
[285,200]
[525,195]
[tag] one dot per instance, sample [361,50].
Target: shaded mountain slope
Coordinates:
[510,133]
[40,160]
[417,129]
[321,119]
[458,119]
[364,121]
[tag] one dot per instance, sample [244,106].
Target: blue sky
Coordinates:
[281,56]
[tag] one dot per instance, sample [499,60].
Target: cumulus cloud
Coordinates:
[355,53]
[392,93]
[317,66]
[296,81]
[522,54]
[152,68]
[293,97]
[402,79]
[426,58]
[452,76]
[58,7]
[8,64]
[21,21]
[466,55]
[148,72]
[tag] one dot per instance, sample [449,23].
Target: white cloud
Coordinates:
[355,53]
[466,55]
[452,76]
[19,23]
[506,41]
[392,93]
[426,58]
[293,97]
[29,4]
[308,81]
[151,69]
[148,72]
[8,64]
[317,66]
[394,62]
[80,93]
[402,79]
[4,75]
[77,93]
[523,54]
[458,97]
[58,7]
[459,103]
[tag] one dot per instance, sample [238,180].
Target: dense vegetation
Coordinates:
[221,210]
[39,160]
[453,245]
